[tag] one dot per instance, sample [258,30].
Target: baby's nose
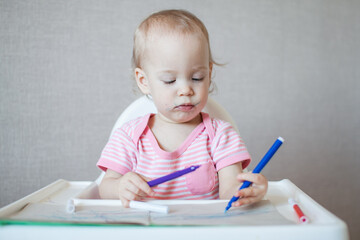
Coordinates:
[185,90]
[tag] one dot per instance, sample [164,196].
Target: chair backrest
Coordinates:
[144,105]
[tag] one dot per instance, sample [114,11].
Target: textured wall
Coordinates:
[292,70]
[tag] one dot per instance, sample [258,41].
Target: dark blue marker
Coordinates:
[258,168]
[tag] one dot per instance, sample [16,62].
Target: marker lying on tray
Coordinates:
[73,204]
[76,202]
[299,213]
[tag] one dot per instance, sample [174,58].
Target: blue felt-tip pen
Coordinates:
[258,168]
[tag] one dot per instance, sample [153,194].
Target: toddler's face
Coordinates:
[176,73]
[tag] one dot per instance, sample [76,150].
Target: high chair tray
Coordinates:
[322,225]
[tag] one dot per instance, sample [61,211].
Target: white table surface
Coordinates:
[323,224]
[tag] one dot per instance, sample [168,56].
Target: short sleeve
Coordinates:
[228,147]
[119,153]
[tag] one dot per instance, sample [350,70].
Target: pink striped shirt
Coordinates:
[213,144]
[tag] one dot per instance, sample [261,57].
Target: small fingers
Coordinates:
[125,202]
[255,178]
[136,184]
[134,190]
[128,195]
[259,181]
[133,187]
[245,201]
[250,192]
[142,187]
[255,192]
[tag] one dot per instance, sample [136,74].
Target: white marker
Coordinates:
[73,203]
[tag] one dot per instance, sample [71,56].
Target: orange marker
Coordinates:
[299,213]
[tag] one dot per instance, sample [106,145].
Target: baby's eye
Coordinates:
[197,79]
[169,81]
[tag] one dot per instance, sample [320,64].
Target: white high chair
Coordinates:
[144,105]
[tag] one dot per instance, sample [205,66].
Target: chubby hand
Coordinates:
[133,186]
[255,192]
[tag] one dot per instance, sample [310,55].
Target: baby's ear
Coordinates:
[142,81]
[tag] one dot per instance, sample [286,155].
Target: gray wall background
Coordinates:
[292,71]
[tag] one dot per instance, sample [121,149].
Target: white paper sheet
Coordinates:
[262,213]
[47,212]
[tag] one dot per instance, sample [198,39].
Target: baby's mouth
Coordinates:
[186,107]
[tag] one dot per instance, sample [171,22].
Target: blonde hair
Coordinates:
[178,21]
